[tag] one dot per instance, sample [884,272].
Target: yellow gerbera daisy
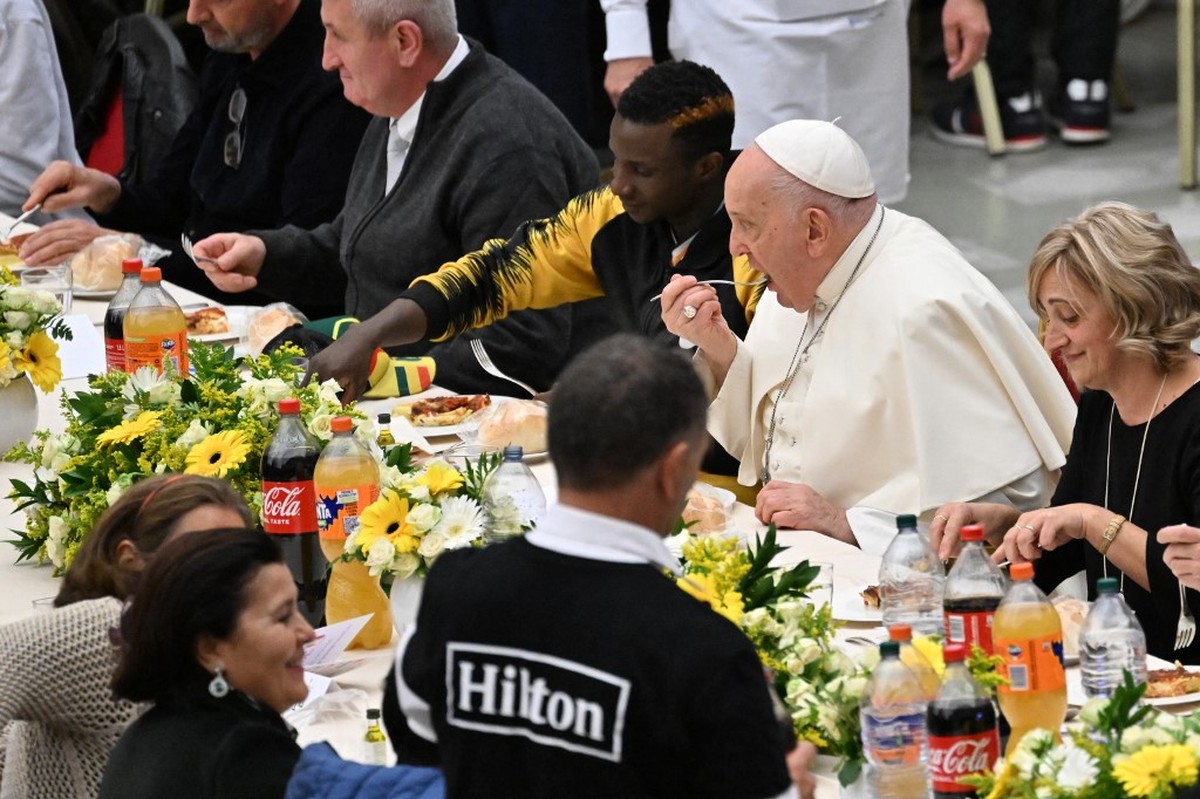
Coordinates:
[440,478]
[218,454]
[130,429]
[1156,767]
[387,517]
[5,356]
[40,361]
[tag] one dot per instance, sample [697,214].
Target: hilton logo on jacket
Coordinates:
[546,699]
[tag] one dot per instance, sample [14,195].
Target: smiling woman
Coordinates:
[215,639]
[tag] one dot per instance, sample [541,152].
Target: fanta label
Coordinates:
[289,508]
[1031,664]
[339,512]
[166,353]
[953,757]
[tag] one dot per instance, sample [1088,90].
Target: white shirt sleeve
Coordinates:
[875,528]
[628,29]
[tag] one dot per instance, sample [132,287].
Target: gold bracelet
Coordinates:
[1110,533]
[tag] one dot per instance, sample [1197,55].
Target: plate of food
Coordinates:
[855,602]
[211,324]
[444,416]
[1178,685]
[10,247]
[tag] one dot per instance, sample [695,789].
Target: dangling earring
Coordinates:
[218,687]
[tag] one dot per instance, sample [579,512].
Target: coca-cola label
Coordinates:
[955,756]
[289,508]
[970,628]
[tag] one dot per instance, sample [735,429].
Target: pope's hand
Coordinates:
[232,260]
[799,506]
[347,360]
[1182,554]
[57,241]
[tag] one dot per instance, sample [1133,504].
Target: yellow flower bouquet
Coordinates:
[28,327]
[215,422]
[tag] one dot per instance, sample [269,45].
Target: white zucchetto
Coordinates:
[821,154]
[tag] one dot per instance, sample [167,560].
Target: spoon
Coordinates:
[20,219]
[721,281]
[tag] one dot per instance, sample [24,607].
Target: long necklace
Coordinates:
[801,353]
[1137,475]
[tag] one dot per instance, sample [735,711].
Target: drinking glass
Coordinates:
[43,604]
[57,280]
[820,590]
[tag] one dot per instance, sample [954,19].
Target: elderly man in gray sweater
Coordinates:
[462,150]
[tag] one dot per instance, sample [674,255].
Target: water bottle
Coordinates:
[1111,642]
[892,712]
[910,580]
[974,588]
[512,498]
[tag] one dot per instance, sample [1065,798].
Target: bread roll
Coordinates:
[520,422]
[705,512]
[97,267]
[265,325]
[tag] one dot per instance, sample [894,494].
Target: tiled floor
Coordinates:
[997,209]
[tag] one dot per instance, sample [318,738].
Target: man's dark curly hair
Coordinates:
[690,97]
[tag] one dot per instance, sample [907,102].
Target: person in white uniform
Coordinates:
[819,59]
[882,373]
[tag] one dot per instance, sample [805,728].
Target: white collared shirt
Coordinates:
[403,128]
[583,534]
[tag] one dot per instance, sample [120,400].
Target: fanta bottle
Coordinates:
[1027,635]
[155,328]
[347,481]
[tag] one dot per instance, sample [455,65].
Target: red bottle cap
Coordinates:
[971,532]
[289,405]
[954,653]
[151,274]
[131,266]
[900,632]
[341,424]
[1021,571]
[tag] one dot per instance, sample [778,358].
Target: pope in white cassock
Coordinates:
[882,374]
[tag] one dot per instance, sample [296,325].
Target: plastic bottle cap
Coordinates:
[373,713]
[341,424]
[289,405]
[954,653]
[513,453]
[889,649]
[906,521]
[151,274]
[385,418]
[131,266]
[900,632]
[1108,585]
[1021,571]
[971,532]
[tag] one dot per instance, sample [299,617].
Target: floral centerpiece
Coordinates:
[421,513]
[28,327]
[1120,749]
[216,422]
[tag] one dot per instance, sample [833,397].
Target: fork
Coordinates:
[8,233]
[187,250]
[485,361]
[720,281]
[1185,631]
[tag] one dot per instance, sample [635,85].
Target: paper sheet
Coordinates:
[332,641]
[84,353]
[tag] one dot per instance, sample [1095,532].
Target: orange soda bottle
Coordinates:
[1027,635]
[155,328]
[346,480]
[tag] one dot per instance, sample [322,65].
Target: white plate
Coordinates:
[91,294]
[235,314]
[1076,696]
[848,605]
[468,425]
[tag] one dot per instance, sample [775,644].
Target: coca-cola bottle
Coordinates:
[114,317]
[974,589]
[961,720]
[290,505]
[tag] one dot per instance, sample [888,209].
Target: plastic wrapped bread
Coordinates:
[517,422]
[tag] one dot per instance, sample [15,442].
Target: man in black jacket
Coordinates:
[461,151]
[270,142]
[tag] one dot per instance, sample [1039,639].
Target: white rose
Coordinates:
[390,477]
[432,546]
[18,319]
[807,650]
[15,340]
[56,548]
[328,393]
[380,555]
[164,393]
[405,565]
[195,433]
[114,493]
[418,492]
[423,517]
[16,297]
[855,686]
[319,426]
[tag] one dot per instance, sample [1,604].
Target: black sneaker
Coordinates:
[1081,112]
[959,122]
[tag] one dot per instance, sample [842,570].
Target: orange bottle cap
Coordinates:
[131,266]
[900,632]
[341,424]
[1021,571]
[151,274]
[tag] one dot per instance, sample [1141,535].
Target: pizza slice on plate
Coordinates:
[443,411]
[1162,683]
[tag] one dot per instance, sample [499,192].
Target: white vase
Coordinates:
[406,599]
[18,412]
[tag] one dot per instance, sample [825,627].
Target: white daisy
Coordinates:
[462,522]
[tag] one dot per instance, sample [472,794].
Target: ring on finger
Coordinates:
[1028,527]
[689,311]
[942,517]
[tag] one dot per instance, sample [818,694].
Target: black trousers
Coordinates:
[1083,41]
